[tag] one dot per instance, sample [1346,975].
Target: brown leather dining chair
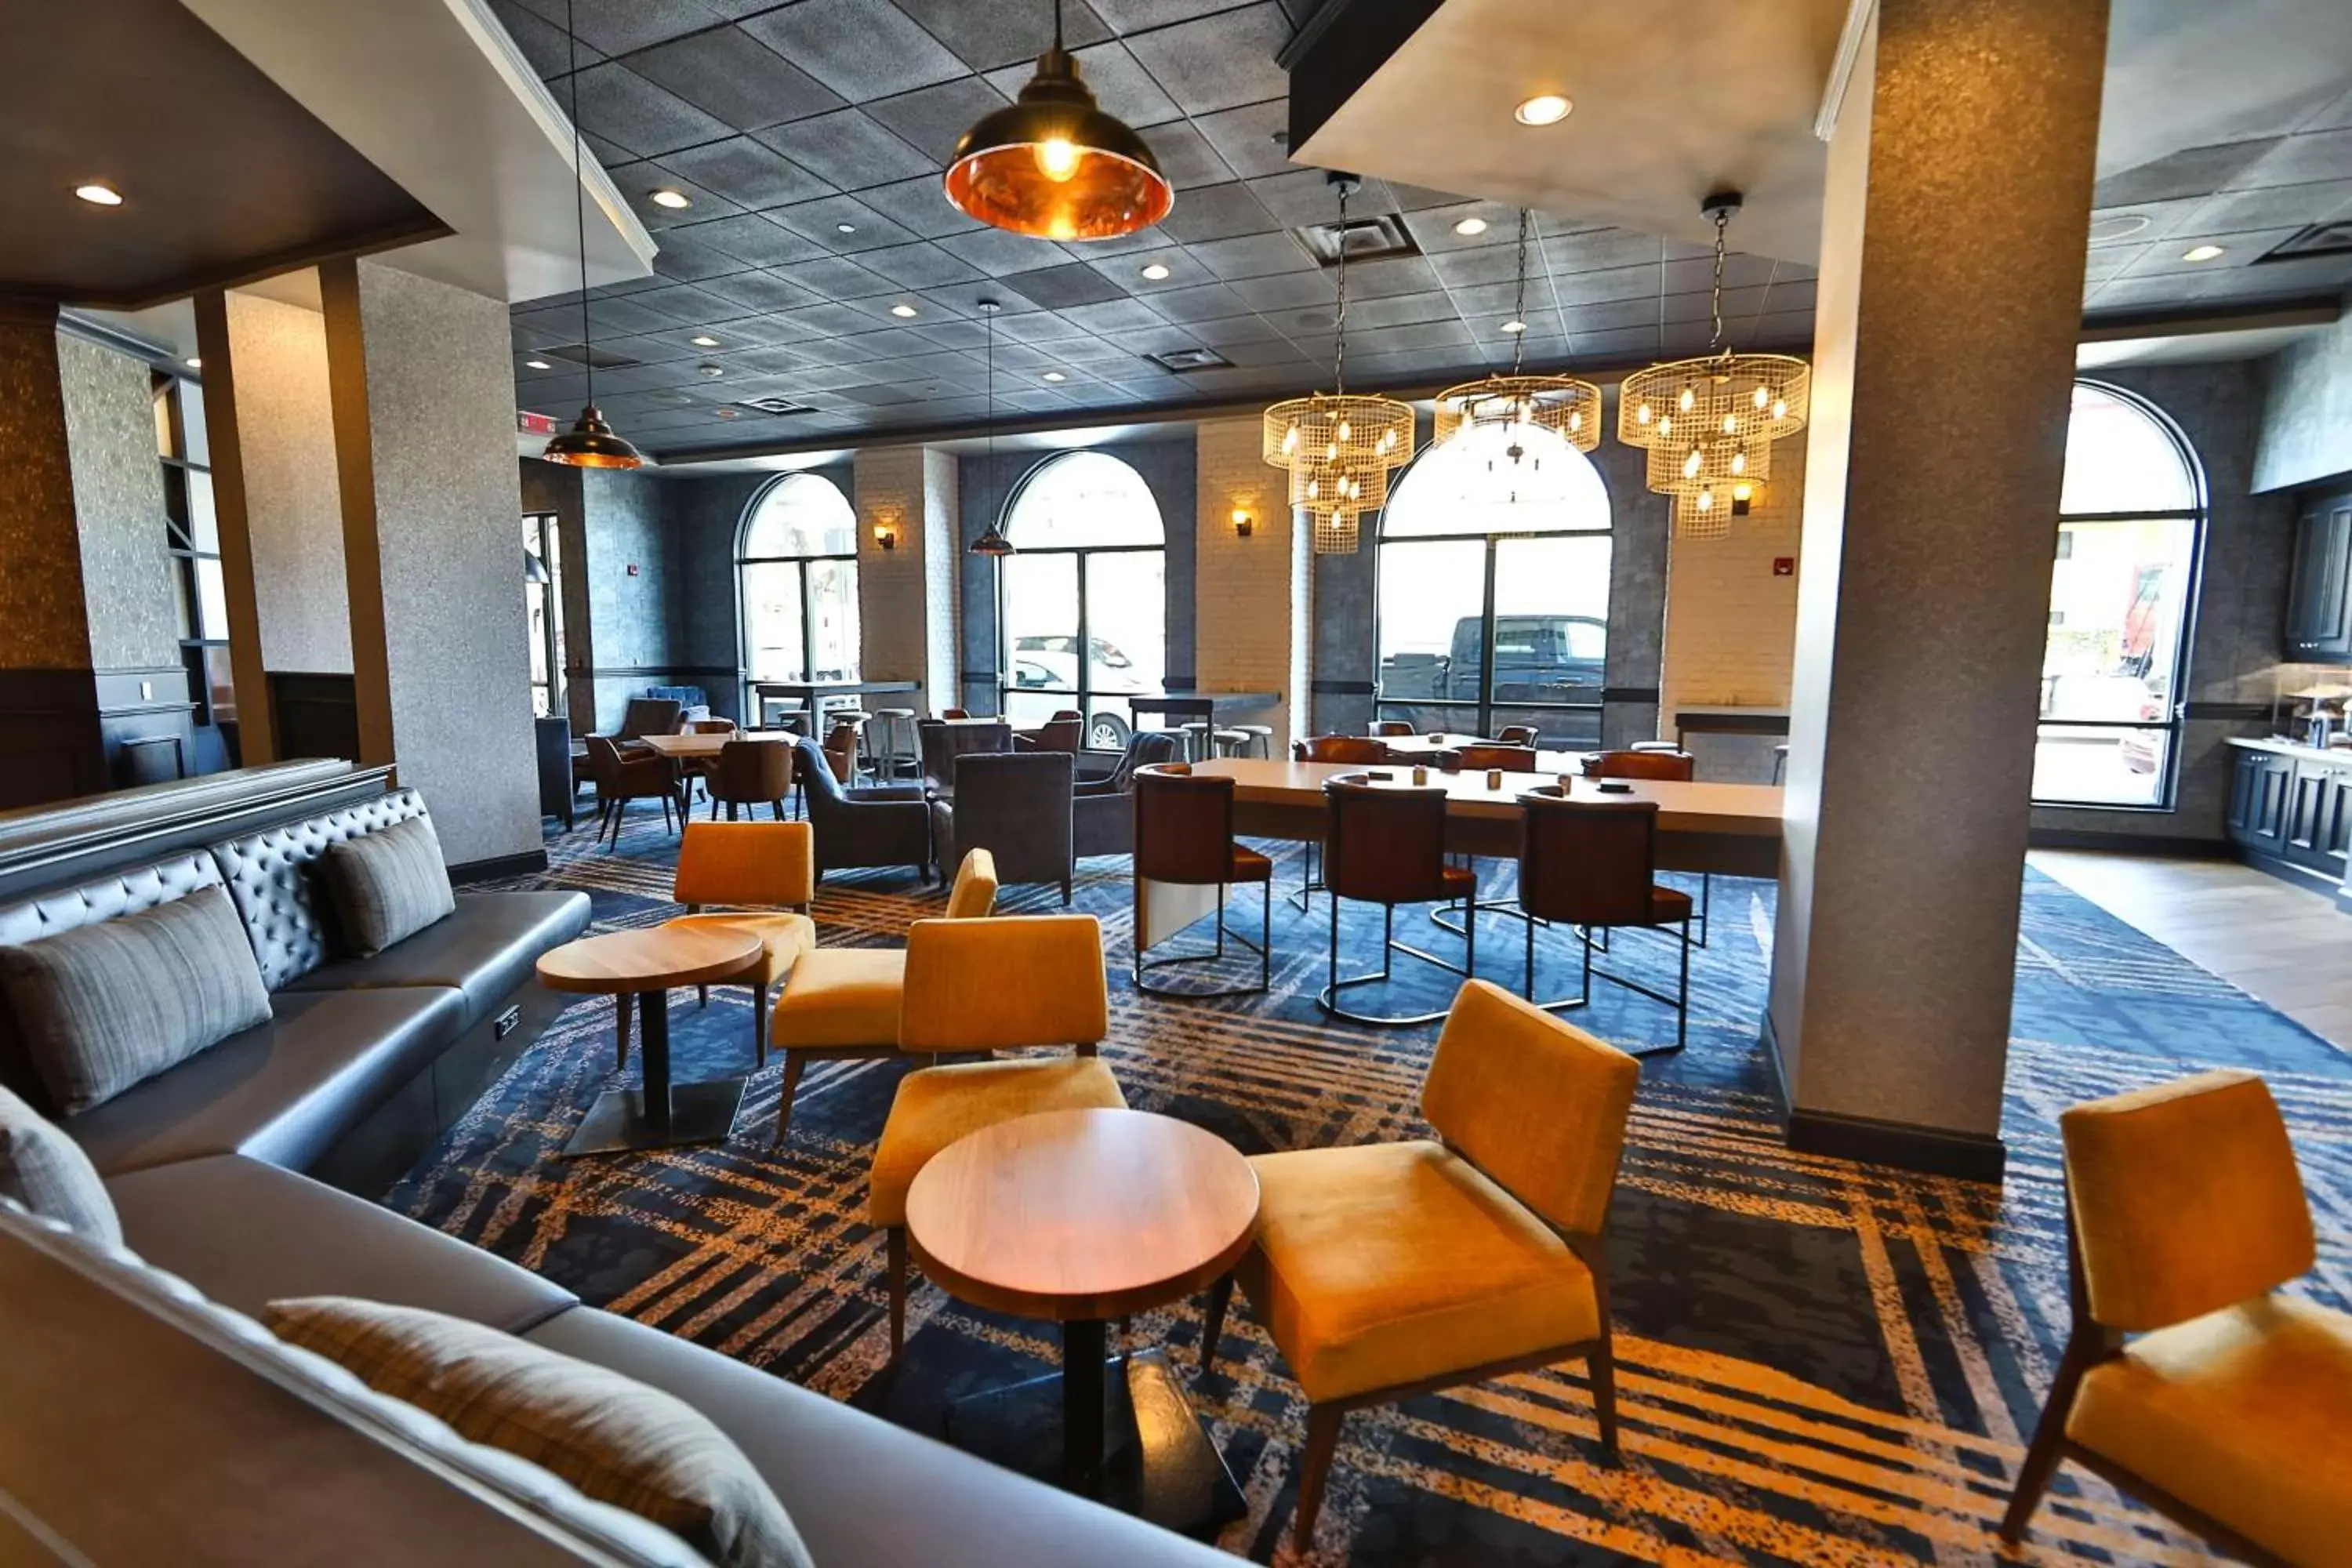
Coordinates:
[691,769]
[1356,750]
[1592,865]
[1489,754]
[1062,732]
[1518,735]
[954,713]
[1385,845]
[621,779]
[748,773]
[1184,834]
[1649,761]
[1391,727]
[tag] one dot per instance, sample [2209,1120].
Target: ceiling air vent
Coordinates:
[775,407]
[600,358]
[1372,238]
[1181,360]
[2319,239]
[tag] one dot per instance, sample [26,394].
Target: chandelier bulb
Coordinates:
[1761,398]
[1665,426]
[1314,490]
[1730,424]
[1706,500]
[1344,433]
[1739,462]
[1644,414]
[1576,420]
[1780,409]
[1685,400]
[1290,438]
[1691,465]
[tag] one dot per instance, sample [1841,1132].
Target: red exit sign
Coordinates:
[531,424]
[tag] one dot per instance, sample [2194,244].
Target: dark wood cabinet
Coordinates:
[2259,800]
[2319,591]
[2290,811]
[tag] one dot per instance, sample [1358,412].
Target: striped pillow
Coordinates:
[388,885]
[617,1440]
[110,1004]
[47,1172]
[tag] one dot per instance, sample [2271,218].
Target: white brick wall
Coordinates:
[1731,625]
[1252,632]
[941,545]
[894,636]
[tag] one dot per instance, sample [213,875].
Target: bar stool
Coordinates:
[891,743]
[782,713]
[1592,864]
[1655,760]
[1385,845]
[1257,741]
[1353,750]
[1184,834]
[1229,743]
[1198,747]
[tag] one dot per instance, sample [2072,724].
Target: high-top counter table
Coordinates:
[1733,828]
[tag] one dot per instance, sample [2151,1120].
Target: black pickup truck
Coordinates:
[1537,658]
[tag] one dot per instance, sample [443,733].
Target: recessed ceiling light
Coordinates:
[537,365]
[1055,375]
[1156,271]
[1471,225]
[902,312]
[844,229]
[1543,108]
[676,201]
[99,195]
[1515,326]
[711,369]
[193,362]
[2200,253]
[703,341]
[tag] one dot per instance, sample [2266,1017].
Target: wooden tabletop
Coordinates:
[651,960]
[1738,808]
[1081,1214]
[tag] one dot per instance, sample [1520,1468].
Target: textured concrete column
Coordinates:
[907,594]
[1953,234]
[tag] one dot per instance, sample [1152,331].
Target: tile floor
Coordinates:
[2287,945]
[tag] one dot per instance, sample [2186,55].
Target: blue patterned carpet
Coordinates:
[1818,1361]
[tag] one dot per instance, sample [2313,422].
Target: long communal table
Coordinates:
[1734,828]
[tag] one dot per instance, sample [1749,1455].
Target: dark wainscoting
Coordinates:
[317,713]
[146,722]
[52,742]
[1936,1150]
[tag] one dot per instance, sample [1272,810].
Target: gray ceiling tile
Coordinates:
[1119,83]
[1600,248]
[639,180]
[2233,212]
[2192,172]
[616,26]
[877,310]
[1070,284]
[1489,264]
[1398,310]
[1614,283]
[836,277]
[1126,317]
[760,292]
[821,221]
[541,40]
[1244,137]
[1218,212]
[732,75]
[749,238]
[743,171]
[1267,351]
[1675,309]
[919,206]
[992,33]
[684,257]
[685,302]
[1391,275]
[2237,250]
[622,107]
[919,265]
[1697,272]
[933,119]
[1611,317]
[1794,294]
[1038,327]
[1220,61]
[1496,303]
[1001,254]
[1156,237]
[1189,292]
[2301,276]
[861,48]
[1286,291]
[962,301]
[953,334]
[1630,342]
[1433,227]
[1252,255]
[847,148]
[891,342]
[1185,156]
[1304,196]
[1089,350]
[1141,370]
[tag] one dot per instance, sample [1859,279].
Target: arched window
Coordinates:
[1494,589]
[1083,605]
[2131,528]
[796,562]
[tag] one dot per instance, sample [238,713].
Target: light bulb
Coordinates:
[1691,465]
[1576,420]
[1290,439]
[1665,426]
[1642,413]
[1685,400]
[1331,451]
[1706,500]
[1743,491]
[1343,429]
[1780,409]
[1761,398]
[1730,426]
[1738,462]
[1314,490]
[1057,158]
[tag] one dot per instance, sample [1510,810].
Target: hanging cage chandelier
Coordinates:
[1567,407]
[1338,447]
[1708,424]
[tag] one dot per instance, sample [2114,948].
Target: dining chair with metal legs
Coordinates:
[1663,761]
[1385,843]
[1184,834]
[1354,750]
[1592,865]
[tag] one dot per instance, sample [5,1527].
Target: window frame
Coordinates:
[1083,693]
[2173,726]
[800,565]
[547,528]
[1486,705]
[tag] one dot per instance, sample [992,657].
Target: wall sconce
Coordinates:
[1243,523]
[1743,496]
[886,533]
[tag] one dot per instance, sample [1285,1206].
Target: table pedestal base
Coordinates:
[620,1120]
[1158,1462]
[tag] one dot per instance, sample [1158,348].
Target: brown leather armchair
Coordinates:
[621,778]
[749,772]
[1062,732]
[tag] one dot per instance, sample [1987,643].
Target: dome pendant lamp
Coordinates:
[1053,165]
[589,443]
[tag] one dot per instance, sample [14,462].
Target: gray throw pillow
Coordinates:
[388,885]
[618,1440]
[110,1004]
[47,1172]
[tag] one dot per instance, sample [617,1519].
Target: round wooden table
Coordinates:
[1082,1216]
[646,964]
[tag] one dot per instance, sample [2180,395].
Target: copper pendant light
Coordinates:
[992,541]
[589,443]
[1053,165]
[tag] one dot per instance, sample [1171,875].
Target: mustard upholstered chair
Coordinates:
[988,985]
[759,877]
[843,1002]
[1389,1270]
[2186,1382]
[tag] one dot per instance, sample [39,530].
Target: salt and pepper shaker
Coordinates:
[1421,775]
[1494,778]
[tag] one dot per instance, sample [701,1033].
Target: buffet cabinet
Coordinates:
[2291,806]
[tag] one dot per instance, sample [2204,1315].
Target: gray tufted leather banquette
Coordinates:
[273,877]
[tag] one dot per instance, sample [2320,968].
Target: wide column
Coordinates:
[1253,608]
[1953,234]
[907,591]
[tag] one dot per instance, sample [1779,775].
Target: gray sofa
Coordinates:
[220,1172]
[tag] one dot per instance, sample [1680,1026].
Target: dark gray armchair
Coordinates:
[1017,805]
[941,743]
[1102,819]
[880,825]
